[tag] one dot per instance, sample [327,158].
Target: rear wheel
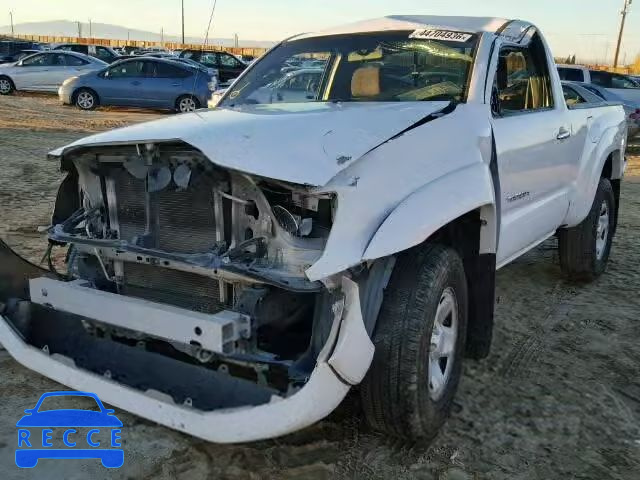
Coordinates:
[584,249]
[187,103]
[86,99]
[419,339]
[6,85]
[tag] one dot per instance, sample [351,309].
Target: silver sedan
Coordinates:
[45,72]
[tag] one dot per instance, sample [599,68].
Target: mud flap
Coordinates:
[481,274]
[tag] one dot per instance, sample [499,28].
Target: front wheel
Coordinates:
[86,99]
[419,339]
[6,86]
[584,249]
[187,103]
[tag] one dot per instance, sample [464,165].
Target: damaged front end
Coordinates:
[185,299]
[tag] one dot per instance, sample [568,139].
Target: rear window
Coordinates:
[602,79]
[72,61]
[571,74]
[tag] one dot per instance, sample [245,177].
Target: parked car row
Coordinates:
[92,75]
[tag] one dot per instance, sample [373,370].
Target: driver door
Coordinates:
[534,147]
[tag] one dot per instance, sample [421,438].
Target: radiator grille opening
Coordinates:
[186,221]
[172,287]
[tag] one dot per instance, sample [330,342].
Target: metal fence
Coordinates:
[253,51]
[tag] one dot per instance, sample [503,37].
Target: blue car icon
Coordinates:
[35,433]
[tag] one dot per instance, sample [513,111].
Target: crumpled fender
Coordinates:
[428,209]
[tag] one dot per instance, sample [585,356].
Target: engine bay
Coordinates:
[163,224]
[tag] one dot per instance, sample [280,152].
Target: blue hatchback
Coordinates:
[141,82]
[36,429]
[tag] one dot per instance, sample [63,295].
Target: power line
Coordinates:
[213,9]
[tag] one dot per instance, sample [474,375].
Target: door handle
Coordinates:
[563,134]
[175,84]
[135,82]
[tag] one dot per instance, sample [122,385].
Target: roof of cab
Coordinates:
[410,22]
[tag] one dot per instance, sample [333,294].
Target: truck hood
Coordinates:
[305,143]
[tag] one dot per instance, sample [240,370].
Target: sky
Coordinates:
[587,28]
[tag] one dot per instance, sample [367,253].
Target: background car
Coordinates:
[631,109]
[295,86]
[106,54]
[625,86]
[10,50]
[141,82]
[45,72]
[228,65]
[17,55]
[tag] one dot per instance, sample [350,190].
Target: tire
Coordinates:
[187,103]
[85,99]
[6,85]
[584,249]
[398,396]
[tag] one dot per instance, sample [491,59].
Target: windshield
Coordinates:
[372,67]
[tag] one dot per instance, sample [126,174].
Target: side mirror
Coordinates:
[29,410]
[109,411]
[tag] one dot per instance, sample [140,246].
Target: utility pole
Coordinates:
[11,17]
[625,10]
[183,22]
[162,36]
[79,29]
[90,30]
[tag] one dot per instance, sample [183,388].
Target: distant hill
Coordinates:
[66,28]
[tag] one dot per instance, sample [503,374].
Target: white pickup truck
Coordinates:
[233,273]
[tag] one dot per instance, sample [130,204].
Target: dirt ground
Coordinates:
[559,397]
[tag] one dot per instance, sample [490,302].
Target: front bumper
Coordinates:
[343,362]
[64,94]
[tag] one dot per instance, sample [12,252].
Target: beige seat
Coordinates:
[365,82]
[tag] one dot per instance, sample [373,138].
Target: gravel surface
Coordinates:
[559,397]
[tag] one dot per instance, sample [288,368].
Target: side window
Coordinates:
[164,70]
[571,97]
[602,79]
[104,54]
[622,81]
[58,59]
[126,70]
[523,83]
[571,74]
[229,61]
[37,60]
[209,59]
[73,61]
